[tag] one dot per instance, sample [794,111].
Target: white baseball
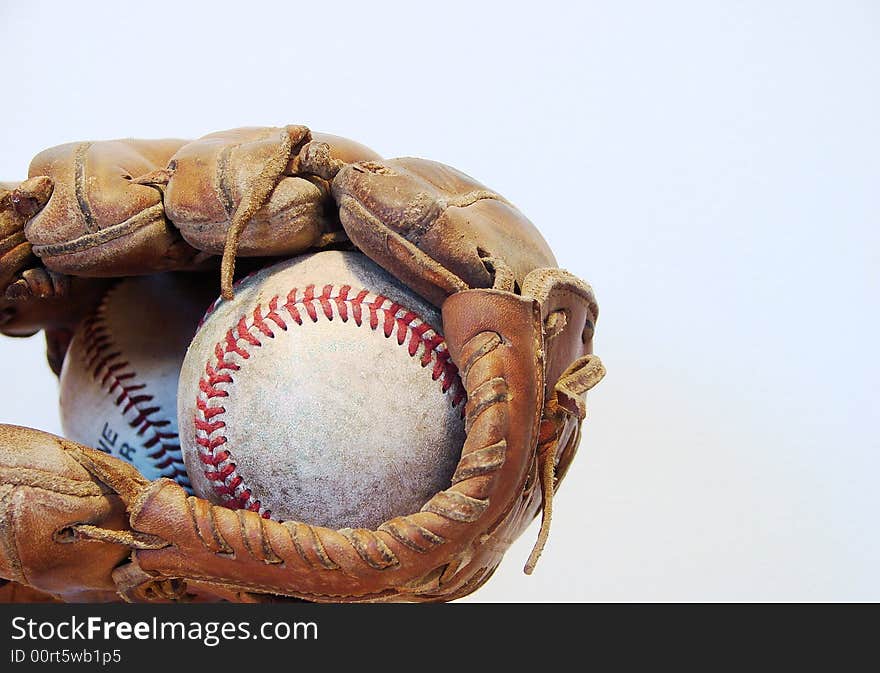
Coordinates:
[322,393]
[120,374]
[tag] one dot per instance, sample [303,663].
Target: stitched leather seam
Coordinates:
[49,481]
[92,240]
[311,304]
[80,186]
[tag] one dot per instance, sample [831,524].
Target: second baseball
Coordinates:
[322,393]
[119,381]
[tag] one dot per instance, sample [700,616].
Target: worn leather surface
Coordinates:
[44,490]
[15,250]
[14,592]
[25,317]
[125,207]
[568,312]
[82,525]
[209,179]
[433,226]
[98,221]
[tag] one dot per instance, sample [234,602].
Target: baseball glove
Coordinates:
[79,525]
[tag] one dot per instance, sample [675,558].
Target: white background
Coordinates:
[711,168]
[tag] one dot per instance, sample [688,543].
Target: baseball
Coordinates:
[119,377]
[322,393]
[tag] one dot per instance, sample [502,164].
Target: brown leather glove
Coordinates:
[79,524]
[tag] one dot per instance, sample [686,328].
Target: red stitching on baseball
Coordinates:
[412,331]
[163,447]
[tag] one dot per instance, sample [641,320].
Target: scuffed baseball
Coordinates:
[322,393]
[118,384]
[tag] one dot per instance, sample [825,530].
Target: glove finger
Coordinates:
[99,221]
[433,226]
[45,493]
[253,176]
